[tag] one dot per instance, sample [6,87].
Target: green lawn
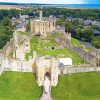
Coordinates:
[77,43]
[83,86]
[39,46]
[19,86]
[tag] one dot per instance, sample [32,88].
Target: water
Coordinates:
[92,6]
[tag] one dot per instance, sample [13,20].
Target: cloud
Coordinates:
[47,1]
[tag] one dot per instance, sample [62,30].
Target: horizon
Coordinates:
[53,1]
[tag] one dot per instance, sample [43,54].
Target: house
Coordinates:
[96,33]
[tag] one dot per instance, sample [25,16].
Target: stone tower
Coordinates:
[41,14]
[44,66]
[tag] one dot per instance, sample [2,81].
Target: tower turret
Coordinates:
[41,13]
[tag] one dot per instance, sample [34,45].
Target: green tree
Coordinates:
[96,41]
[88,34]
[6,21]
[79,33]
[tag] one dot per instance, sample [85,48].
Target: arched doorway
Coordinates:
[47,74]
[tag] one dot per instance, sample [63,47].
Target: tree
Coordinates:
[79,33]
[88,34]
[68,27]
[6,21]
[96,41]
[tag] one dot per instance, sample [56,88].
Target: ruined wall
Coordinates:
[72,70]
[92,57]
[15,65]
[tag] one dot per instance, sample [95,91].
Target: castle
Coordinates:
[44,65]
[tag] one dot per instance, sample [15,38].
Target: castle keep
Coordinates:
[43,26]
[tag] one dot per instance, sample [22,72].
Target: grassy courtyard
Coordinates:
[19,86]
[83,86]
[44,47]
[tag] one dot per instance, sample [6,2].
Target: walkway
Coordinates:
[89,45]
[47,89]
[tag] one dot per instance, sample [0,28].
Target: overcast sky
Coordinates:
[55,1]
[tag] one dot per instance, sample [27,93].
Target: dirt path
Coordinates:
[46,90]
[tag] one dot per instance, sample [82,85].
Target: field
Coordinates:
[23,86]
[8,7]
[83,86]
[19,86]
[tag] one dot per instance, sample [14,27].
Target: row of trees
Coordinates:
[75,13]
[9,13]
[92,14]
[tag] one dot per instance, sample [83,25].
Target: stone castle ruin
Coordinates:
[22,45]
[45,67]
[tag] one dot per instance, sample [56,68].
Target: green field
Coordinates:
[83,86]
[39,45]
[23,86]
[19,86]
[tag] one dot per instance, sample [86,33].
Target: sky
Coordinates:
[55,1]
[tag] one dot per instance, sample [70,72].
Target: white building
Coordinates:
[65,61]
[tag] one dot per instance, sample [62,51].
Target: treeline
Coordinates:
[6,28]
[9,13]
[93,14]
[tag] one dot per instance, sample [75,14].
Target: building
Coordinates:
[43,26]
[47,66]
[24,16]
[96,33]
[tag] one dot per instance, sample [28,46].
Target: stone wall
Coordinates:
[92,57]
[73,70]
[15,65]
[8,47]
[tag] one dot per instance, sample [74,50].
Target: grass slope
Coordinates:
[77,43]
[19,86]
[83,86]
